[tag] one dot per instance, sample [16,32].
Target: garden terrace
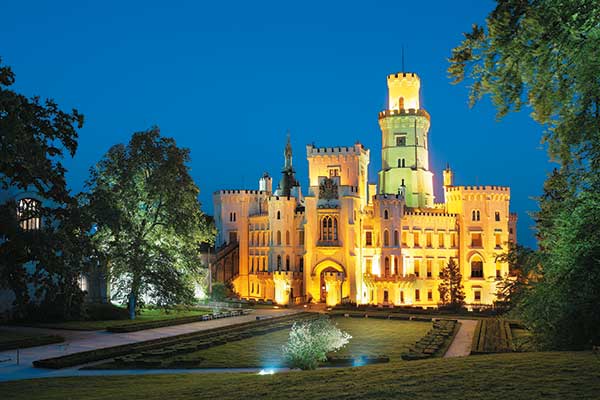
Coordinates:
[492,336]
[373,341]
[435,342]
[19,340]
[117,351]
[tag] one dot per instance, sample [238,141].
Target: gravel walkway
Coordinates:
[461,345]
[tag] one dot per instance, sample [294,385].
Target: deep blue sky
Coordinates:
[228,79]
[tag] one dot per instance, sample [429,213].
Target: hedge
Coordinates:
[492,336]
[32,341]
[173,321]
[435,342]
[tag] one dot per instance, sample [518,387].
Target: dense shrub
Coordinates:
[310,341]
[105,311]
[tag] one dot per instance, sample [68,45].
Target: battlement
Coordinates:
[478,189]
[314,151]
[403,112]
[388,197]
[404,76]
[241,191]
[431,213]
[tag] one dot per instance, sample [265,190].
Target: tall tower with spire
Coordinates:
[404,140]
[288,175]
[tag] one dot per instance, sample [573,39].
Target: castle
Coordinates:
[348,240]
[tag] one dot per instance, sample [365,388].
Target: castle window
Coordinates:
[441,244]
[385,214]
[498,240]
[401,163]
[28,214]
[396,238]
[401,140]
[476,240]
[417,268]
[368,238]
[453,236]
[300,263]
[428,239]
[417,295]
[404,238]
[386,238]
[429,268]
[497,216]
[287,238]
[387,270]
[264,263]
[278,214]
[475,215]
[301,238]
[429,295]
[329,229]
[402,296]
[498,270]
[287,263]
[441,266]
[416,239]
[476,267]
[369,265]
[278,262]
[334,172]
[477,295]
[278,238]
[251,264]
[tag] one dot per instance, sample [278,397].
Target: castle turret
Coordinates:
[265,183]
[288,175]
[404,135]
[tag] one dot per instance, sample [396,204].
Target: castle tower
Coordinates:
[404,139]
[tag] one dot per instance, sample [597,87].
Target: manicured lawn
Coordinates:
[369,337]
[146,316]
[510,376]
[14,340]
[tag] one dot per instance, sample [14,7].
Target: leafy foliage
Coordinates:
[451,290]
[33,140]
[148,219]
[310,341]
[545,55]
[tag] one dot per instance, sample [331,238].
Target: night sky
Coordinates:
[228,79]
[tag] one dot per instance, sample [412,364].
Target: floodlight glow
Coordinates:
[266,372]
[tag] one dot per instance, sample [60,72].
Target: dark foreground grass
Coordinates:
[561,375]
[145,316]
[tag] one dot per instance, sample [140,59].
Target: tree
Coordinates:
[149,224]
[545,55]
[451,290]
[310,341]
[34,137]
[524,271]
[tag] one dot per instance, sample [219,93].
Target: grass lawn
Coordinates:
[369,337]
[146,316]
[14,340]
[560,375]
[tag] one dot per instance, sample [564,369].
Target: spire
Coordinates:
[288,152]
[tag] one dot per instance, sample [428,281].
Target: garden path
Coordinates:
[461,345]
[78,341]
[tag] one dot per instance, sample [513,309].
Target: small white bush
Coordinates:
[310,341]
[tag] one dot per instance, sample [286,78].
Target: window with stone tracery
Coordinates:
[328,229]
[28,213]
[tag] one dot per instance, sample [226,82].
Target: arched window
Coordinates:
[475,215]
[387,270]
[251,264]
[497,215]
[287,263]
[279,238]
[476,267]
[386,238]
[278,262]
[401,163]
[329,229]
[28,213]
[396,238]
[278,214]
[386,214]
[287,238]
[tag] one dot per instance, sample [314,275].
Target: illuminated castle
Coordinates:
[348,240]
